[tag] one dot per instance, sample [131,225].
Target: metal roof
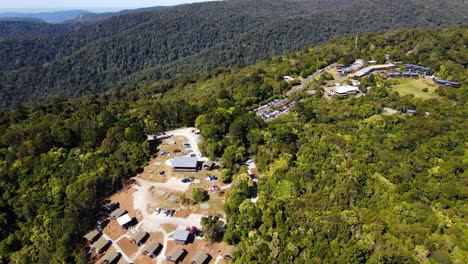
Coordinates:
[152,247]
[124,219]
[181,235]
[92,235]
[111,256]
[230,251]
[101,243]
[199,258]
[184,162]
[138,236]
[118,212]
[175,253]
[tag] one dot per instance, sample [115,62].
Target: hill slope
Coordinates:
[28,29]
[196,37]
[341,181]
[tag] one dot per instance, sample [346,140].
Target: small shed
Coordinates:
[118,213]
[111,257]
[185,164]
[229,252]
[124,220]
[208,165]
[175,254]
[110,206]
[181,236]
[152,249]
[139,238]
[200,258]
[92,236]
[101,245]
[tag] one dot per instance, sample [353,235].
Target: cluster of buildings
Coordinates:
[374,68]
[358,64]
[418,69]
[412,71]
[273,109]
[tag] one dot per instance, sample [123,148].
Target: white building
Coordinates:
[344,90]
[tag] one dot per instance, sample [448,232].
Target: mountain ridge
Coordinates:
[109,51]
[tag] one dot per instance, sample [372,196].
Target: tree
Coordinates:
[200,195]
[212,228]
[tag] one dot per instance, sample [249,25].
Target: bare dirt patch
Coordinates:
[114,230]
[128,247]
[125,198]
[213,250]
[169,227]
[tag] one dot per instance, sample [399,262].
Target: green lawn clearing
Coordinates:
[415,87]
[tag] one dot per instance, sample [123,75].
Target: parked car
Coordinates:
[211,178]
[214,188]
[158,210]
[185,180]
[172,212]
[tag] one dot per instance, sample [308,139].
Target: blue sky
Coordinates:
[87,4]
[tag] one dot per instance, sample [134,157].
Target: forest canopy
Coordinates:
[148,46]
[340,180]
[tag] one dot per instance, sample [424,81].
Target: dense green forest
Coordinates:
[28,29]
[184,39]
[339,180]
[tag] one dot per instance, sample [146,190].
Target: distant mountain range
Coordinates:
[132,48]
[70,16]
[95,17]
[49,17]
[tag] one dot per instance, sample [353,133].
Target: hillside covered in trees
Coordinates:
[192,38]
[340,181]
[23,29]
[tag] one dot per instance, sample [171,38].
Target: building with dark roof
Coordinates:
[110,206]
[418,69]
[368,70]
[447,83]
[185,164]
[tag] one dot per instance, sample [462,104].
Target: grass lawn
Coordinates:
[415,87]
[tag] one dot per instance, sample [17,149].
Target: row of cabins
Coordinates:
[358,64]
[375,68]
[152,249]
[402,74]
[447,83]
[178,253]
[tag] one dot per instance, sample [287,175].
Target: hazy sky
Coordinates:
[89,4]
